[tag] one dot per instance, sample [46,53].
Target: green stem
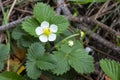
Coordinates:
[8,44]
[71,36]
[8,34]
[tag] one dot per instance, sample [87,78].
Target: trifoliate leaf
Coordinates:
[111,68]
[43,12]
[47,62]
[79,59]
[81,62]
[62,65]
[10,76]
[30,25]
[74,56]
[4,50]
[61,22]
[38,60]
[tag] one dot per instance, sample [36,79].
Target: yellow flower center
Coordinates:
[47,31]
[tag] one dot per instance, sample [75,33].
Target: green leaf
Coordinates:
[17,33]
[26,41]
[46,62]
[62,65]
[23,39]
[4,50]
[61,22]
[43,12]
[10,76]
[32,70]
[30,25]
[74,56]
[1,65]
[81,62]
[37,60]
[35,51]
[111,68]
[79,59]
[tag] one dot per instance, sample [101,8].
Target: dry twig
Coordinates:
[99,38]
[1,5]
[12,24]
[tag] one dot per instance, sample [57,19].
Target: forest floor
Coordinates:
[100,22]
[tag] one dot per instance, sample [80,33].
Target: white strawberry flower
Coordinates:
[46,32]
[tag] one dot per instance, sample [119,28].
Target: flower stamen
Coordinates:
[47,31]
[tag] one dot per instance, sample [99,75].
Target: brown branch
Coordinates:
[12,24]
[61,4]
[99,38]
[110,30]
[58,9]
[2,8]
[24,11]
[93,21]
[104,53]
[101,9]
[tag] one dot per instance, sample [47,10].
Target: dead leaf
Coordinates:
[20,53]
[107,78]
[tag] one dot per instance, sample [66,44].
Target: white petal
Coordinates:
[43,38]
[53,28]
[39,30]
[52,37]
[44,24]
